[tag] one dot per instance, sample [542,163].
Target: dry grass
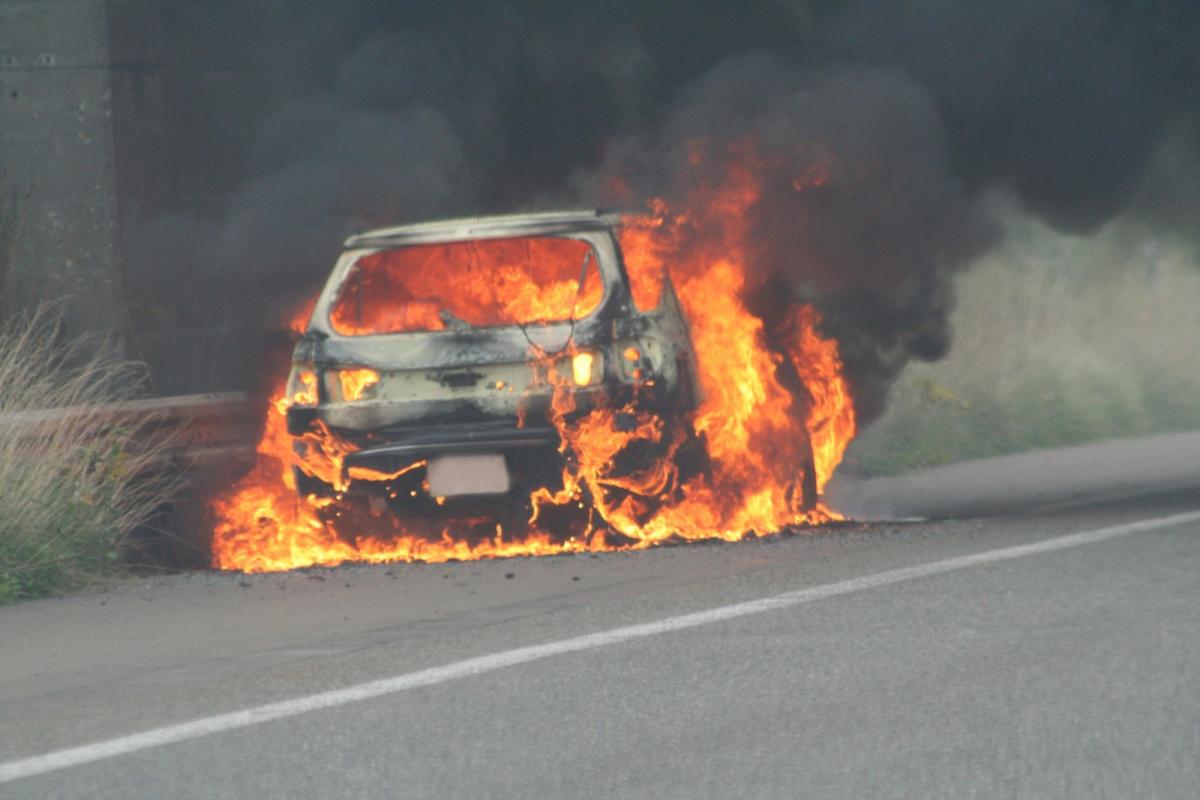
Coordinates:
[1058,340]
[72,490]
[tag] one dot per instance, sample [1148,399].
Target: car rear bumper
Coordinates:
[404,448]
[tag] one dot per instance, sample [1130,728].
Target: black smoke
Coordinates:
[369,112]
[860,210]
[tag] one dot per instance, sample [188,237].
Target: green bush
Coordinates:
[73,484]
[1058,340]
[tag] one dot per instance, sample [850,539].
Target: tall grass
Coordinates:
[72,485]
[1058,340]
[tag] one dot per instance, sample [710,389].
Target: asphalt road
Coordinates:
[1068,669]
[1087,473]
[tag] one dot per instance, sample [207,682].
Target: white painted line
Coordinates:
[123,745]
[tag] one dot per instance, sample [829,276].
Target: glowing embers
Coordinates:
[476,283]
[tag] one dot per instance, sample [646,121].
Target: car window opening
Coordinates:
[460,285]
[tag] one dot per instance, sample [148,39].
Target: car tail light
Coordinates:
[581,367]
[358,384]
[302,386]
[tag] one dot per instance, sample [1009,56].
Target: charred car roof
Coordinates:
[464,228]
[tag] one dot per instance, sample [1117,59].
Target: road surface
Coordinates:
[1043,654]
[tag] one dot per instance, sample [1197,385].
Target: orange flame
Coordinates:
[499,282]
[757,434]
[355,382]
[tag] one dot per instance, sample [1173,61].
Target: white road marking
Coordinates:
[123,745]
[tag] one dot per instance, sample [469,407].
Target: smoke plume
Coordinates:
[876,129]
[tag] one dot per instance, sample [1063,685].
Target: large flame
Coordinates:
[758,435]
[521,280]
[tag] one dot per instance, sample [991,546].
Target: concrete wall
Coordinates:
[185,108]
[114,116]
[57,151]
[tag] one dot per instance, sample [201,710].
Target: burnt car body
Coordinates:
[443,382]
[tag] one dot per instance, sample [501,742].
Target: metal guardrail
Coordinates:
[207,438]
[202,430]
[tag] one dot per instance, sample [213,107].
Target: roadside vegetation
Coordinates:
[73,485]
[1059,340]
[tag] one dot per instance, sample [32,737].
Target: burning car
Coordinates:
[531,385]
[442,360]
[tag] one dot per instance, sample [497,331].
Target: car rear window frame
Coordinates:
[585,237]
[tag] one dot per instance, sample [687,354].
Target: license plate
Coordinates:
[450,476]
